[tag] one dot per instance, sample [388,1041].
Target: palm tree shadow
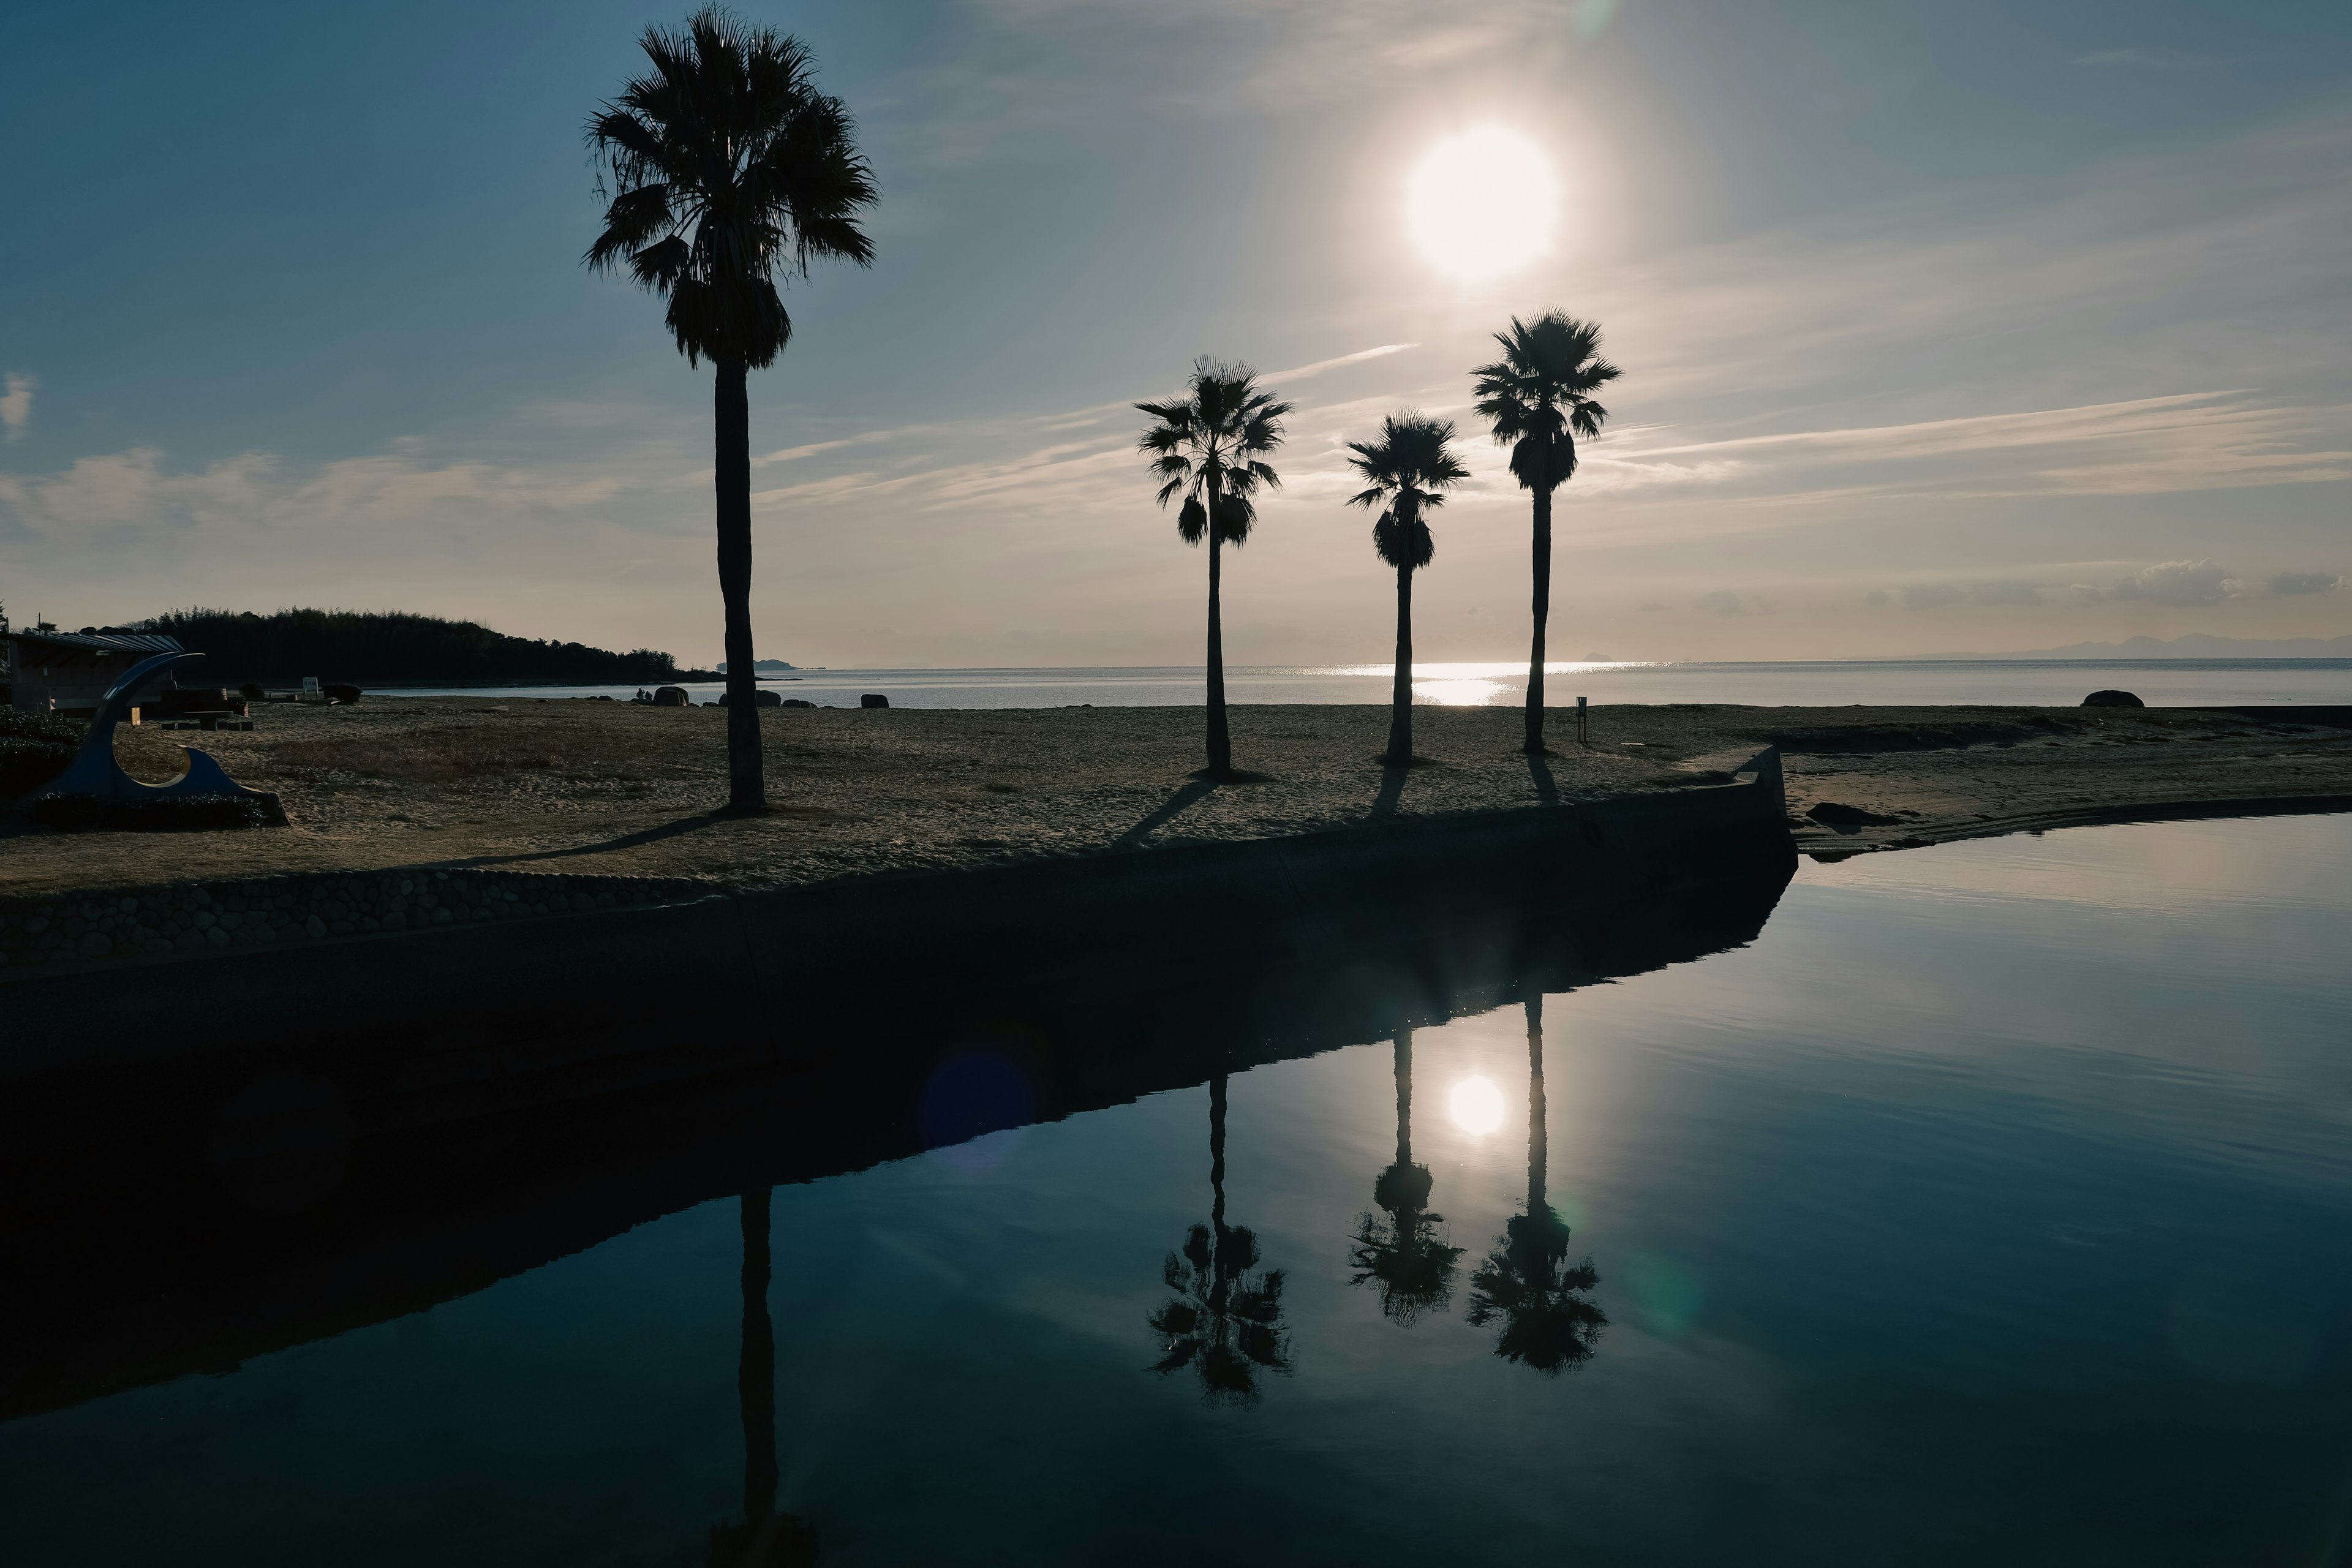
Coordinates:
[1175,805]
[1546,787]
[626,841]
[1384,804]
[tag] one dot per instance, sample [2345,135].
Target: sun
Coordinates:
[1482,204]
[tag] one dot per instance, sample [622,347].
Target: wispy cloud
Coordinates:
[1300,373]
[2146,58]
[17,405]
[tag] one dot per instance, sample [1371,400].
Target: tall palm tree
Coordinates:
[1527,1282]
[1538,399]
[1407,471]
[723,167]
[1210,447]
[1413,1267]
[1226,1324]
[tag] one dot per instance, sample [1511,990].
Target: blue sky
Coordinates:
[1945,327]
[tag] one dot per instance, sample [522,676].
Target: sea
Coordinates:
[1834,683]
[1984,1205]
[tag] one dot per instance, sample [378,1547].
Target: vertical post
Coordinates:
[1579,722]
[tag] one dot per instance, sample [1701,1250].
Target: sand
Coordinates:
[615,789]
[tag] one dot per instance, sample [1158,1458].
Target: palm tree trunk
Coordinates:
[755,1375]
[1220,745]
[1535,736]
[1536,1151]
[746,790]
[1401,697]
[1404,1099]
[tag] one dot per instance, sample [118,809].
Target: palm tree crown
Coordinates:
[1537,398]
[1210,445]
[726,168]
[1407,471]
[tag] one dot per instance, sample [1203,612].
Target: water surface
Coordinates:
[1834,683]
[1991,1205]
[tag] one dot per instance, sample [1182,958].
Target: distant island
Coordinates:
[2194,644]
[392,648]
[760,666]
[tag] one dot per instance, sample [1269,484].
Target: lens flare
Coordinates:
[1476,1106]
[1482,204]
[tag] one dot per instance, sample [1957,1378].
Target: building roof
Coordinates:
[91,640]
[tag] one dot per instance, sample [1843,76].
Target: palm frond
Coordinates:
[728,169]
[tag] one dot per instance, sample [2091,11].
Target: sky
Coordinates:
[1944,327]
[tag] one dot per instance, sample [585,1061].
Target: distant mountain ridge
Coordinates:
[2193,644]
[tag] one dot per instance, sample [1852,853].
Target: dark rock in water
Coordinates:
[758,699]
[795,703]
[672,697]
[2112,699]
[873,699]
[341,692]
[1832,814]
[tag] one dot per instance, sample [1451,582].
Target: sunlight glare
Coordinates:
[1476,1106]
[1481,204]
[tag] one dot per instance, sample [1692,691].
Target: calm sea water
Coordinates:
[1994,1204]
[2048,682]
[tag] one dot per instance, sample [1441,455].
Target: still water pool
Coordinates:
[1993,1206]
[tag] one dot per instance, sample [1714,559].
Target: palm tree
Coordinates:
[1414,1269]
[1408,471]
[726,168]
[1210,445]
[1527,1282]
[1537,398]
[1225,1323]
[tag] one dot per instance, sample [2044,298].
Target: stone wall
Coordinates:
[78,931]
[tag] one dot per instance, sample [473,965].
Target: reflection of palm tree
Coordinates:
[1225,1324]
[1527,1282]
[1413,1265]
[765,1539]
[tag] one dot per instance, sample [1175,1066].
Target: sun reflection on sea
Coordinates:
[1476,685]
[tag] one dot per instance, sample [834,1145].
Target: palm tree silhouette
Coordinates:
[1537,398]
[728,167]
[1210,445]
[1413,1267]
[1225,1323]
[765,1539]
[1527,1282]
[1408,469]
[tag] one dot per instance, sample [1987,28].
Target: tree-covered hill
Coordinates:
[390,648]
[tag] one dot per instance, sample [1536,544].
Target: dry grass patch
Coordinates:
[445,754]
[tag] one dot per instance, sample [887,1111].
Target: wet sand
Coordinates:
[615,789]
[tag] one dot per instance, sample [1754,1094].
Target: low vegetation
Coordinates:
[393,648]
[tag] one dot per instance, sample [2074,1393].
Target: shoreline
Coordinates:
[618,796]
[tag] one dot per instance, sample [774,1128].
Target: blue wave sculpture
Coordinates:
[94,774]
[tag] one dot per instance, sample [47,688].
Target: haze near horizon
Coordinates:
[1942,330]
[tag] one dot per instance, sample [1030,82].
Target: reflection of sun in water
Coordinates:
[1476,1106]
[1473,693]
[1481,203]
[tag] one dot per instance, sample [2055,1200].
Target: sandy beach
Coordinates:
[615,789]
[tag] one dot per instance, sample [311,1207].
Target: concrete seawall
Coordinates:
[369,1127]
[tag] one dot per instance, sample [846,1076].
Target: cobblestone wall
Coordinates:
[138,924]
